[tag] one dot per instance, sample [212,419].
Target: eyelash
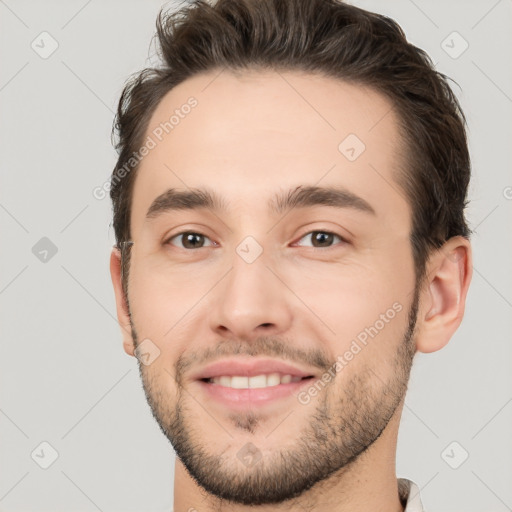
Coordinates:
[326,232]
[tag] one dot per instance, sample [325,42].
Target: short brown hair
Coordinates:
[333,39]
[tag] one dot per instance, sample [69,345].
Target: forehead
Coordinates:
[248,134]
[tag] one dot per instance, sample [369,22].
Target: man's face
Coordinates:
[283,331]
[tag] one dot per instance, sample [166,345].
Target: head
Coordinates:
[318,166]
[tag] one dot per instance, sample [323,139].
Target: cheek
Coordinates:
[160,306]
[357,301]
[338,301]
[352,311]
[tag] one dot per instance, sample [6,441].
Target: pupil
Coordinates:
[191,239]
[323,237]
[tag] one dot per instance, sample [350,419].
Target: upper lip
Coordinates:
[249,367]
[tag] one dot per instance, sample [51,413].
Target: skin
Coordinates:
[251,136]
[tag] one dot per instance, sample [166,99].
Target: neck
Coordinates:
[369,484]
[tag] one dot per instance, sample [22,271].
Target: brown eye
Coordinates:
[190,240]
[321,239]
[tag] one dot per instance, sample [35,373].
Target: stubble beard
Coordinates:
[342,426]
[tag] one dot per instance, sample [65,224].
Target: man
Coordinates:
[289,214]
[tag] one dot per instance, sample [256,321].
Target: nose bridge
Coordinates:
[250,297]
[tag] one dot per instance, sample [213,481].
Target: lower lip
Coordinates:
[241,398]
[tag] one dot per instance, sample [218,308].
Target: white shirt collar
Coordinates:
[410,495]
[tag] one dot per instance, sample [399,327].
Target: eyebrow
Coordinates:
[299,197]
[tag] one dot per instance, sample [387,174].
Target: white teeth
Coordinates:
[273,379]
[255,382]
[239,382]
[259,381]
[224,381]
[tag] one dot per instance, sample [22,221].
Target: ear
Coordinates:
[443,294]
[123,316]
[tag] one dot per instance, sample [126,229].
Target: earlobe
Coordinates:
[123,316]
[444,294]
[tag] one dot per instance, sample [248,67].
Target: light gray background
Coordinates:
[64,378]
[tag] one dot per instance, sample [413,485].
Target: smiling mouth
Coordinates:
[254,382]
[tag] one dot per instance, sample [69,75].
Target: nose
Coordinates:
[250,301]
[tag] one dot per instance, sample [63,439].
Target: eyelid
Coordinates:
[186,227]
[168,239]
[343,239]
